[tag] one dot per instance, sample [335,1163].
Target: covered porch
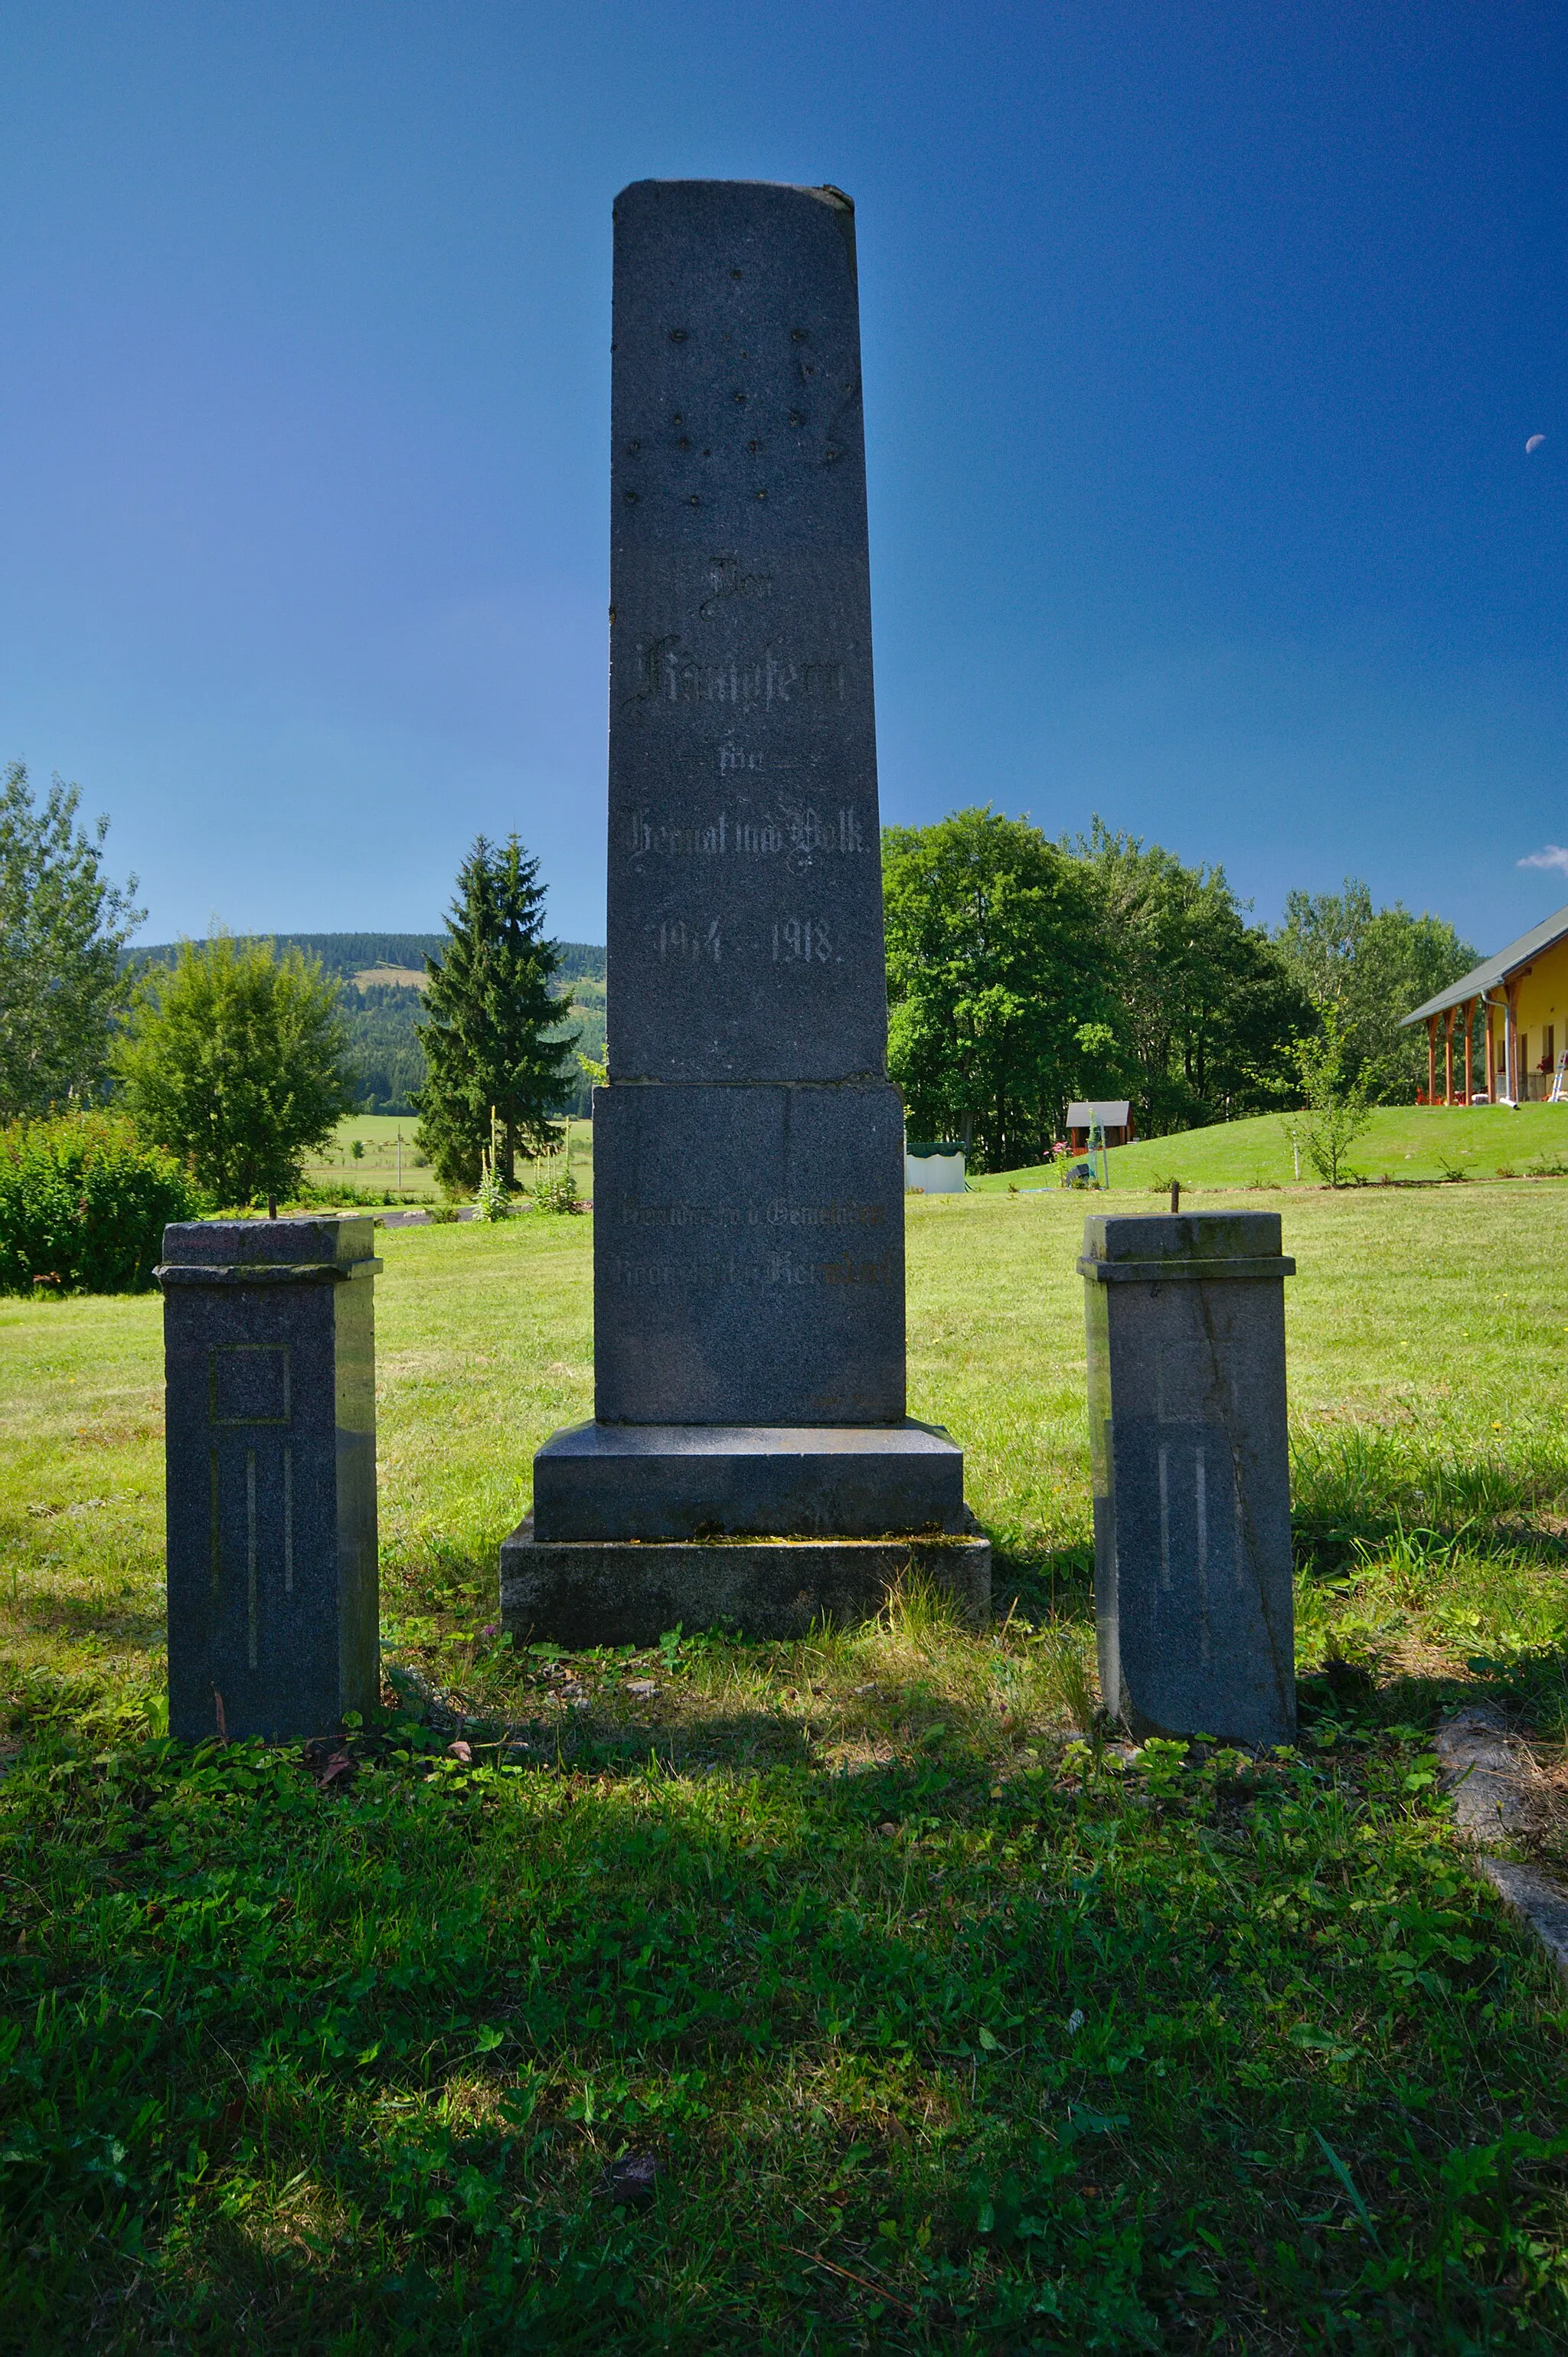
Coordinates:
[1509,1016]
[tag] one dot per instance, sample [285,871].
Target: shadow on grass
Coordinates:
[923,2065]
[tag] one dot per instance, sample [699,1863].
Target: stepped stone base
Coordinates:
[629,1591]
[724,1480]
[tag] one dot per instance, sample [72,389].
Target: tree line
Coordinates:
[1023,972]
[235,1057]
[382,1018]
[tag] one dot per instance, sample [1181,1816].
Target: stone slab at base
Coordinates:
[661,1481]
[629,1592]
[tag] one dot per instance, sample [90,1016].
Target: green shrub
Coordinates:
[83,1204]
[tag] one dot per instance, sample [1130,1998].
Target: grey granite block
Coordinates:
[745,883]
[1187,1432]
[748,1255]
[691,1480]
[269,1345]
[630,1593]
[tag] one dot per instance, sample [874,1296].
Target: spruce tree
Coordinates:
[487,1008]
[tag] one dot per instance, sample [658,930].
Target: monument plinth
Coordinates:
[750,1458]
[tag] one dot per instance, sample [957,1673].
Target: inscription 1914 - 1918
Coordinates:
[795,941]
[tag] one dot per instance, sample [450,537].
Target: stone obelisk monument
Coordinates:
[750,1459]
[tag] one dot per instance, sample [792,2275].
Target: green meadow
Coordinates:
[1401,1143]
[931,2020]
[380,1172]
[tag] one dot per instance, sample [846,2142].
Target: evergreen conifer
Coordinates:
[488,1008]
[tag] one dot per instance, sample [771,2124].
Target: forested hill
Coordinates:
[381,1012]
[346,954]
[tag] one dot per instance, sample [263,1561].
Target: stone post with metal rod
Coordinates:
[269,1348]
[1187,1415]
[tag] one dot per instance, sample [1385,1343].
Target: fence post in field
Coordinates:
[1188,1433]
[269,1347]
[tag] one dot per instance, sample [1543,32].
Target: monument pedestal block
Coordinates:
[749,1255]
[629,1592]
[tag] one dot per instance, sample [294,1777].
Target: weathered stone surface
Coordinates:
[745,883]
[270,1368]
[748,1172]
[1186,1393]
[628,1593]
[748,1255]
[680,1481]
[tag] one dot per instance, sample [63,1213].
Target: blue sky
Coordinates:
[1202,346]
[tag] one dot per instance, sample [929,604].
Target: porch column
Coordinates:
[1468,1018]
[1491,1053]
[1448,1057]
[1431,1058]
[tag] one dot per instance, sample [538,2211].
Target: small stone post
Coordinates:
[1186,1415]
[269,1348]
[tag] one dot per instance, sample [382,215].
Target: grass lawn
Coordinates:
[1402,1141]
[945,2030]
[379,1173]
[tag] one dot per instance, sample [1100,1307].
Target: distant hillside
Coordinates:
[381,1012]
[347,954]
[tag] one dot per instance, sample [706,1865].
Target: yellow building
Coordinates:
[1517,1004]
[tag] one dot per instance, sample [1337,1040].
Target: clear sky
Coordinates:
[1202,346]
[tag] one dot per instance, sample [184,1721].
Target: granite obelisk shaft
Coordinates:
[747,1163]
[745,876]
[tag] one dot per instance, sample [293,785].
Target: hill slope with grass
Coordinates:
[1401,1143]
[928,2029]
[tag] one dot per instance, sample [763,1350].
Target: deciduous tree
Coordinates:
[234,1059]
[1371,966]
[1209,1010]
[994,981]
[62,927]
[1337,1108]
